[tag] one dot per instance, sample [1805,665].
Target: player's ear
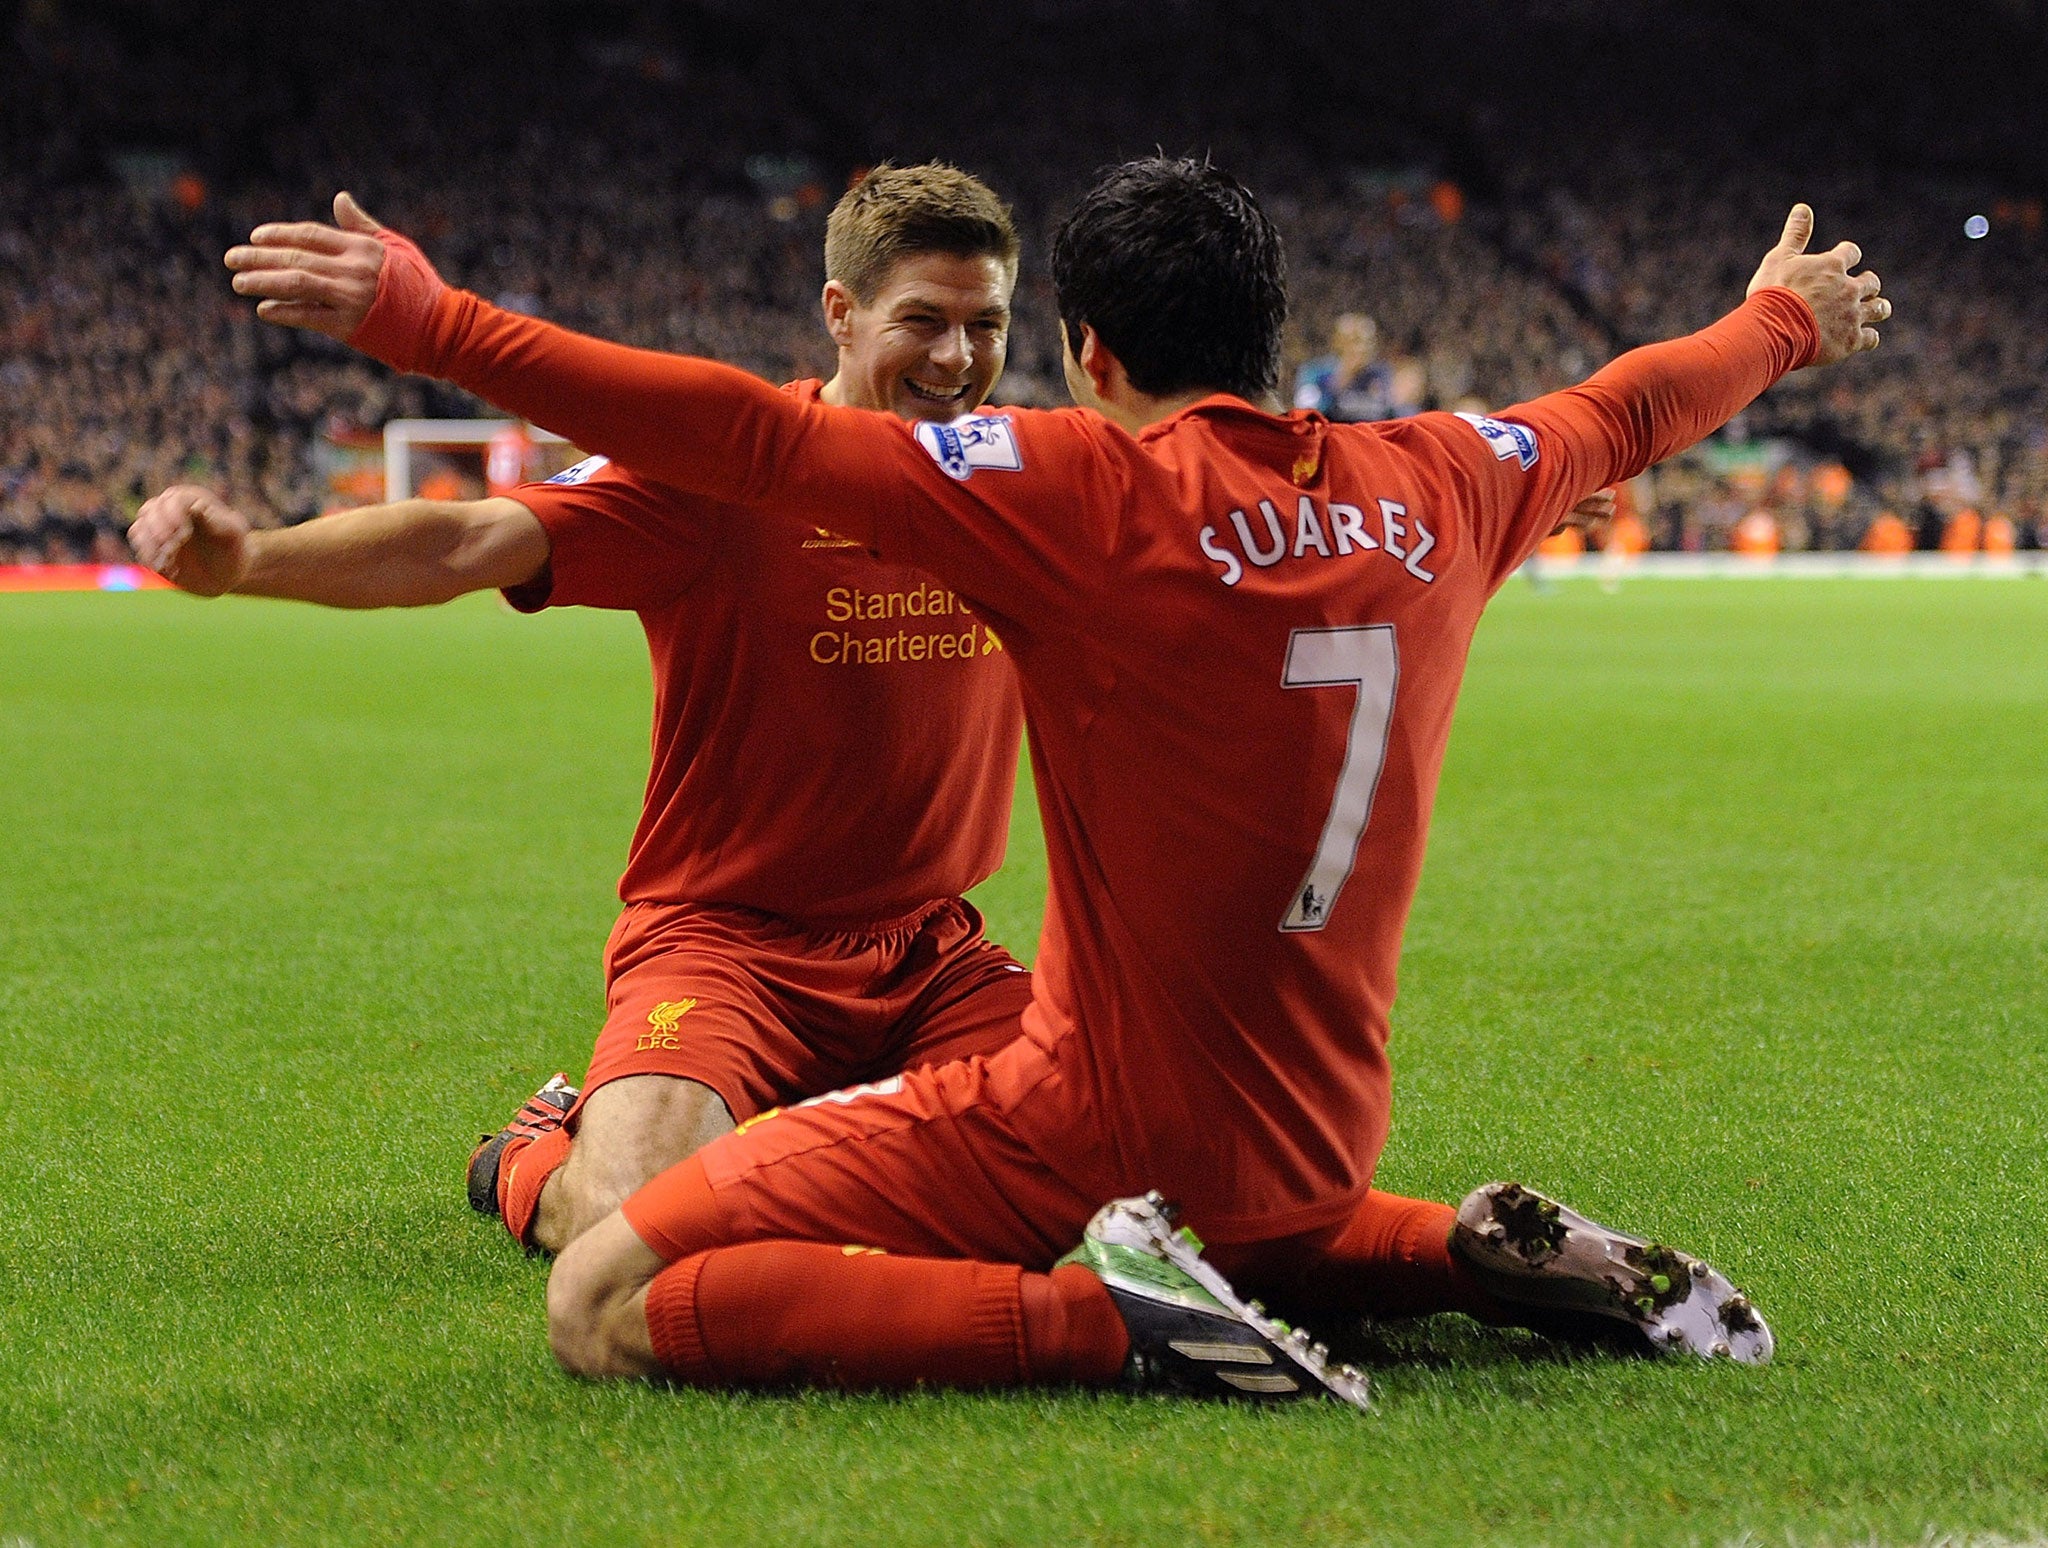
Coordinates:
[837,303]
[1097,363]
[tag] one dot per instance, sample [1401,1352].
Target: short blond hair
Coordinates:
[894,213]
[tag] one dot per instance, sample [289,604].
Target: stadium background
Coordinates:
[1735,922]
[1513,191]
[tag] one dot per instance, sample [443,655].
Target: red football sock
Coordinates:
[777,1312]
[1393,1259]
[523,1170]
[1072,1329]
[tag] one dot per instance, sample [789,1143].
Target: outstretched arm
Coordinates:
[1802,309]
[709,429]
[693,424]
[1655,401]
[411,554]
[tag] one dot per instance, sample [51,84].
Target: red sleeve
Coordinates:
[1529,465]
[614,540]
[1000,506]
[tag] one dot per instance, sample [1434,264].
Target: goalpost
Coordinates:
[402,435]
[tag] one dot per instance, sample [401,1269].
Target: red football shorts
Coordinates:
[934,1163]
[765,1011]
[988,1158]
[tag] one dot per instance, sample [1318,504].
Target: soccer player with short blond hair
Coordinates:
[835,737]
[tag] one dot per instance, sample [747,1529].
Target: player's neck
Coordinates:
[1134,410]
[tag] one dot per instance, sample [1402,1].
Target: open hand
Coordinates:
[192,539]
[308,275]
[1847,306]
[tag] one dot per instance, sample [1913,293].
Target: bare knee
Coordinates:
[632,1129]
[629,1132]
[597,1320]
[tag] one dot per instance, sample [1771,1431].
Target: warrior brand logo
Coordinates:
[972,441]
[825,539]
[582,471]
[661,1025]
[1506,439]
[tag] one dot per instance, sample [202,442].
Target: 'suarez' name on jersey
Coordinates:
[1331,529]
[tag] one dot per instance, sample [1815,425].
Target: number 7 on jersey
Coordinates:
[1362,658]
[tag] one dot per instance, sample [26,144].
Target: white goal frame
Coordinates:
[402,435]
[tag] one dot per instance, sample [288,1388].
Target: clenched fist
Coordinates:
[193,540]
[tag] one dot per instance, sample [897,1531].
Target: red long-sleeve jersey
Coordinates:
[835,738]
[1240,638]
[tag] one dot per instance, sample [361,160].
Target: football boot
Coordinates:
[1577,1276]
[542,1113]
[1189,1331]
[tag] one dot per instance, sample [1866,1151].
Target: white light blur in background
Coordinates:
[1976,227]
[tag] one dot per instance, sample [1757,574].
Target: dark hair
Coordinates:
[1180,273]
[893,213]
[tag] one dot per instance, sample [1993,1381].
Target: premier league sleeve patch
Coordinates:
[970,442]
[1506,439]
[582,471]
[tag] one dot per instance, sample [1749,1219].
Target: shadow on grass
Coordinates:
[1450,1342]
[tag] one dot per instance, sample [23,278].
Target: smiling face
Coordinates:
[931,341]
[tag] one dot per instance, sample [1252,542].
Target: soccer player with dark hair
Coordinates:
[1240,636]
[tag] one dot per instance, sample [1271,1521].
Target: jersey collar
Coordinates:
[1290,442]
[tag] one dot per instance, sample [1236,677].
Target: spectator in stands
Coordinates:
[119,340]
[1351,382]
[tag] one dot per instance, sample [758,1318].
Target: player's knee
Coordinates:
[577,1198]
[633,1129]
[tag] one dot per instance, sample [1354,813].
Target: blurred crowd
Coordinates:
[668,185]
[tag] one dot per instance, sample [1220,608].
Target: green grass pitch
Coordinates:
[1734,930]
